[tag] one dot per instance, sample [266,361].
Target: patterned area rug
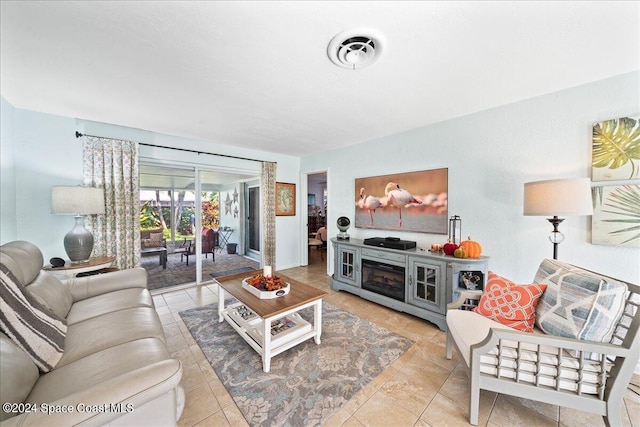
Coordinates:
[306,384]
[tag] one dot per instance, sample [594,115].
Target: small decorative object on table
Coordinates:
[343,224]
[455,229]
[471,280]
[266,287]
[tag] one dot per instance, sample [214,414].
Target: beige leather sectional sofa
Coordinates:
[115,368]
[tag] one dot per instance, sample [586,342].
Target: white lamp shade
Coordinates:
[558,197]
[77,200]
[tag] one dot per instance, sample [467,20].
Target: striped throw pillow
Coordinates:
[32,327]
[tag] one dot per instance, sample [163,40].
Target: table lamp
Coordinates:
[567,197]
[78,201]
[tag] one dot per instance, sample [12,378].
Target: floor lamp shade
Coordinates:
[566,197]
[78,201]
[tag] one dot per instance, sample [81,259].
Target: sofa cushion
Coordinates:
[578,303]
[97,368]
[111,329]
[52,292]
[40,333]
[18,373]
[108,303]
[510,304]
[24,259]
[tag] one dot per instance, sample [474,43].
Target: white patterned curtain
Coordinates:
[113,165]
[269,212]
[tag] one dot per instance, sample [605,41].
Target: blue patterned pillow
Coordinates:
[578,303]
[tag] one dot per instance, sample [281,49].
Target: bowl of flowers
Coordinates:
[266,287]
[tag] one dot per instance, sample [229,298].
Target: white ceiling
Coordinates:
[257,75]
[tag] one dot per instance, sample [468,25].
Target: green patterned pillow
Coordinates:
[578,303]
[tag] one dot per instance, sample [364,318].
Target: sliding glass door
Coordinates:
[253,236]
[198,216]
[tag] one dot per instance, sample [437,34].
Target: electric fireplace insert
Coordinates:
[383,278]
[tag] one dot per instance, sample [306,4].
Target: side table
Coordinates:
[69,270]
[224,234]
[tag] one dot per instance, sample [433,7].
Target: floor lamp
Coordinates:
[566,197]
[78,201]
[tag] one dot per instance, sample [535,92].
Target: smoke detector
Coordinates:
[355,49]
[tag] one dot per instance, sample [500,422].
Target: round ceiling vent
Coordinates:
[355,49]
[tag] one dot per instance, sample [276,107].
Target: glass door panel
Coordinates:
[253,219]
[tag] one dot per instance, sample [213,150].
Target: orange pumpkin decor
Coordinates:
[461,252]
[472,248]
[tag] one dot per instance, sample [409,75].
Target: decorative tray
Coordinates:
[259,285]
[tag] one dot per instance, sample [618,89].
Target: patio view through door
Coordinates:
[190,222]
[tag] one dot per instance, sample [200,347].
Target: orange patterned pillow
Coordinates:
[510,304]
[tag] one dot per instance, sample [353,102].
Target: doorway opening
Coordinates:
[317,200]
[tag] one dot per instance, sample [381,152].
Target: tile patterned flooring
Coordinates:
[422,388]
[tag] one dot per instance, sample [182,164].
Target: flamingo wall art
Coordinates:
[411,201]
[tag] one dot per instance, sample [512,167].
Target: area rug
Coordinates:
[306,384]
[230,272]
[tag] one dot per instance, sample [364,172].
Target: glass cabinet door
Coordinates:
[348,265]
[426,284]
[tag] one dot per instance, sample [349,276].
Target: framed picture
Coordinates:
[411,201]
[285,199]
[615,220]
[615,149]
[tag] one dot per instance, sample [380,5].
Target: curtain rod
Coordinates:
[78,135]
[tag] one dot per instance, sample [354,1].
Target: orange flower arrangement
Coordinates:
[263,283]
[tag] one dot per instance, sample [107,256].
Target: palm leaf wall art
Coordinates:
[616,149]
[616,215]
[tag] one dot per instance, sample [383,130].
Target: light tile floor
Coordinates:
[422,388]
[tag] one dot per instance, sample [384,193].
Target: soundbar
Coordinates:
[390,242]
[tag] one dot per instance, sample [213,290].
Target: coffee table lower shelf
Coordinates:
[253,330]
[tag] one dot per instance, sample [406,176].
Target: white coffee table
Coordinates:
[256,330]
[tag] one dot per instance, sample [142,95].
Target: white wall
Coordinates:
[490,155]
[8,226]
[46,153]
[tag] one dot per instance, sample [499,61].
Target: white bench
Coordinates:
[576,373]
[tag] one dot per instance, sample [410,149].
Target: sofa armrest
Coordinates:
[90,286]
[108,400]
